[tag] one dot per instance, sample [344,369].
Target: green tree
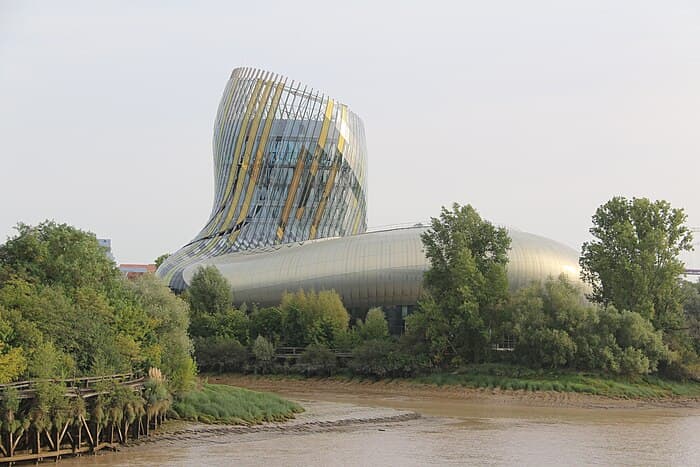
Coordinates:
[168,316]
[57,254]
[159,260]
[691,308]
[13,362]
[375,325]
[264,353]
[554,327]
[66,311]
[267,322]
[465,286]
[234,324]
[633,261]
[209,292]
[312,317]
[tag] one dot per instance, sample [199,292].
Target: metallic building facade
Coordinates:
[290,207]
[289,164]
[372,269]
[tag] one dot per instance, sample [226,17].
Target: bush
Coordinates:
[313,317]
[384,358]
[375,325]
[220,354]
[266,322]
[317,360]
[264,353]
[236,324]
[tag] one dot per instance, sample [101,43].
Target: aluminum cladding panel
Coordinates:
[372,269]
[289,165]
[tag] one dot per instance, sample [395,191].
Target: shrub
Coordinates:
[375,325]
[317,360]
[264,353]
[220,354]
[384,358]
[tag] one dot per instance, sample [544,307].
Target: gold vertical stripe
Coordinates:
[319,151]
[258,87]
[237,149]
[331,177]
[246,155]
[260,154]
[356,223]
[291,193]
[324,198]
[343,120]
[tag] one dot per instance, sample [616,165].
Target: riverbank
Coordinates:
[296,387]
[215,403]
[185,442]
[359,425]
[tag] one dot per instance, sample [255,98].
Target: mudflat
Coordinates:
[314,388]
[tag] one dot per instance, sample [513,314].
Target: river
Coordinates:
[449,432]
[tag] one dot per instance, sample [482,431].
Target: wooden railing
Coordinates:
[78,433]
[296,352]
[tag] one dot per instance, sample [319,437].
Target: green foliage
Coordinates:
[311,317]
[465,286]
[522,378]
[317,360]
[267,322]
[215,403]
[56,254]
[65,311]
[555,328]
[50,407]
[691,309]
[633,262]
[167,344]
[375,325]
[382,358]
[264,353]
[220,354]
[235,324]
[13,361]
[209,292]
[159,260]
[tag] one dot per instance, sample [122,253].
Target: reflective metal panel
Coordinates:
[373,269]
[289,165]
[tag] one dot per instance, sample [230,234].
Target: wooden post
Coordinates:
[2,446]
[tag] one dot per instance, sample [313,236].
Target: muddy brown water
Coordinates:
[354,426]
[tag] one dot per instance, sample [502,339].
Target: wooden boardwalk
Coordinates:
[293,353]
[77,433]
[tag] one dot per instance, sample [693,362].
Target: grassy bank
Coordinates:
[217,403]
[516,378]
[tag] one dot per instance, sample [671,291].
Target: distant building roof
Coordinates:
[132,271]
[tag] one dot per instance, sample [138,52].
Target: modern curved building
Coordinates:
[290,207]
[289,165]
[382,268]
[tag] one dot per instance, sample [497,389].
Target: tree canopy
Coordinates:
[65,310]
[465,284]
[633,261]
[209,292]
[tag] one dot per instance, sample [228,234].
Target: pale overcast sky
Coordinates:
[535,112]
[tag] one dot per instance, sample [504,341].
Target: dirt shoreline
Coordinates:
[403,388]
[318,416]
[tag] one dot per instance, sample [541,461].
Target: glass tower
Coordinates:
[290,164]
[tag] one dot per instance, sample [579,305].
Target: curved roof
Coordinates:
[382,268]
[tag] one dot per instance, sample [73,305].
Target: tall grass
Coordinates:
[518,378]
[218,403]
